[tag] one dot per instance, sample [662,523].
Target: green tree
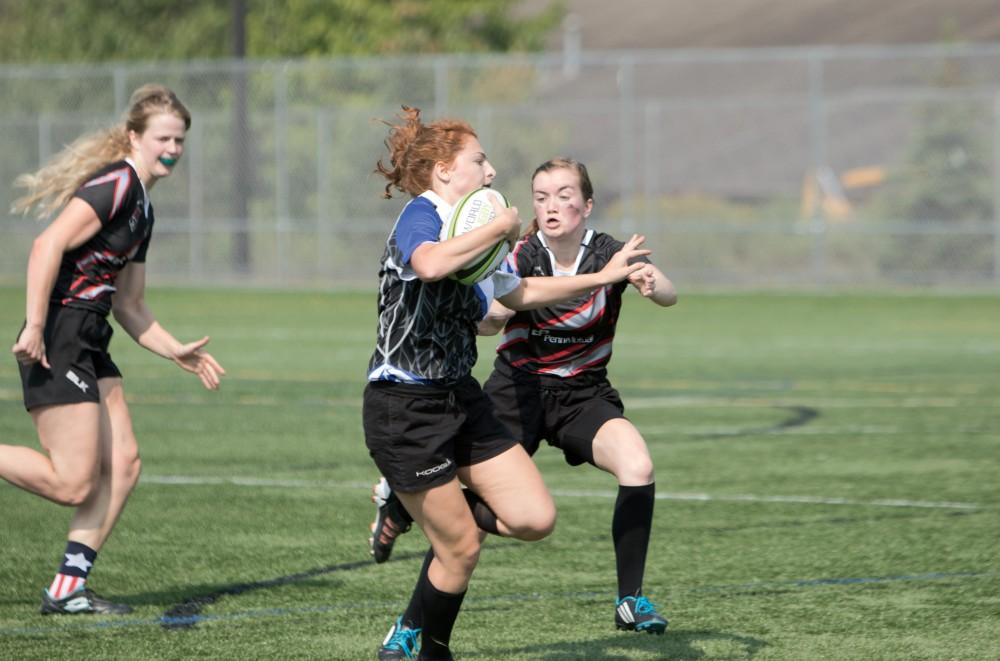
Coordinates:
[943,183]
[61,31]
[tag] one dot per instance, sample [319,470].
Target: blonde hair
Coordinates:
[414,148]
[50,187]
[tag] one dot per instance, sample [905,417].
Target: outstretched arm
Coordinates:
[130,310]
[536,292]
[496,318]
[655,286]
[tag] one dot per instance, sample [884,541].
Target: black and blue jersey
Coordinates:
[427,330]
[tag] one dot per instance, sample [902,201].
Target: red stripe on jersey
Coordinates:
[559,355]
[580,309]
[122,178]
[583,366]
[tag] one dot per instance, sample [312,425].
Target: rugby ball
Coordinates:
[472,211]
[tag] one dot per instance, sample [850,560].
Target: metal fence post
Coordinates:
[196,203]
[440,86]
[626,139]
[281,205]
[121,94]
[44,137]
[817,141]
[651,166]
[324,204]
[996,187]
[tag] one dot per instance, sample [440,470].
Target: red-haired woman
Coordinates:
[427,423]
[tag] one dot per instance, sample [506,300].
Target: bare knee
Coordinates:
[635,470]
[74,492]
[123,465]
[461,557]
[127,468]
[535,525]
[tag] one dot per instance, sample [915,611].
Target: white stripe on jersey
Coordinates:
[580,363]
[121,179]
[586,314]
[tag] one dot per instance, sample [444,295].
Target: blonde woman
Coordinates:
[89,261]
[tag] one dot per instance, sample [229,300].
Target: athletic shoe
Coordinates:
[391,520]
[81,601]
[638,614]
[401,643]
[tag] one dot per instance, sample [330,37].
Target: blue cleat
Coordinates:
[638,614]
[402,642]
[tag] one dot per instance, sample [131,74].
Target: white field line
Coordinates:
[185,480]
[805,430]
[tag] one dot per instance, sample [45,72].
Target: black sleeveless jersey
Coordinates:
[87,274]
[571,338]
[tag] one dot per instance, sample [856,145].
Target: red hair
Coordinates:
[415,147]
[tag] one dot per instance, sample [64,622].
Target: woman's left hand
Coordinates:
[644,280]
[622,266]
[191,358]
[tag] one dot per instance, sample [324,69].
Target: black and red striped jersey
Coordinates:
[87,274]
[571,338]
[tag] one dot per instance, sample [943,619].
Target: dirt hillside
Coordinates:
[627,24]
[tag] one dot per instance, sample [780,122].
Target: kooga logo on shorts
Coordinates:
[434,469]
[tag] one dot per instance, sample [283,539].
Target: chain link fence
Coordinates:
[766,167]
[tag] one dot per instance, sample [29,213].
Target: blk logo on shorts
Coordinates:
[76,381]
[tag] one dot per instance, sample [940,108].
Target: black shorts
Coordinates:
[76,344]
[419,435]
[565,412]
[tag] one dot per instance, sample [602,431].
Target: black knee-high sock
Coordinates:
[485,518]
[630,528]
[413,617]
[440,612]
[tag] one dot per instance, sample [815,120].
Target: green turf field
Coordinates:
[827,466]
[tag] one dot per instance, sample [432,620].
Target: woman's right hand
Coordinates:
[30,347]
[508,217]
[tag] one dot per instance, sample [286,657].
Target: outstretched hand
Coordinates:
[191,358]
[618,267]
[644,280]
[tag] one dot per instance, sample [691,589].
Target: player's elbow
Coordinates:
[426,267]
[430,274]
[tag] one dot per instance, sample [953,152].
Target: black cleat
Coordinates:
[81,602]
[391,521]
[638,614]
[401,643]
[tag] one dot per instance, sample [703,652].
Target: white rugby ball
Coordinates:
[472,211]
